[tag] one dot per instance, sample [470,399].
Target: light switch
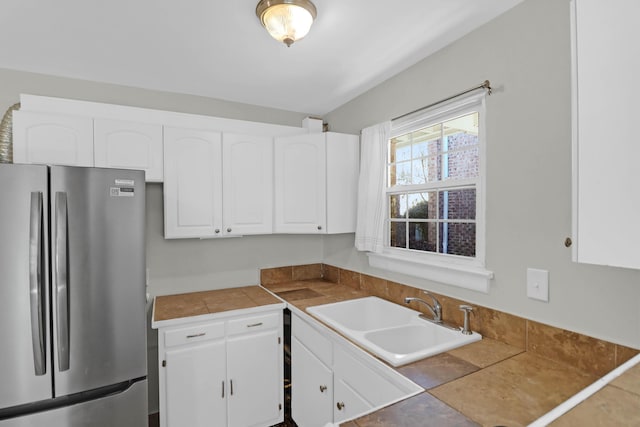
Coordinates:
[538,284]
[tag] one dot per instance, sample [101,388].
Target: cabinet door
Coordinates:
[606,60]
[311,388]
[128,145]
[348,402]
[195,386]
[343,160]
[256,379]
[247,184]
[300,184]
[52,139]
[192,183]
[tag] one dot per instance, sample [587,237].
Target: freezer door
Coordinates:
[25,365]
[98,276]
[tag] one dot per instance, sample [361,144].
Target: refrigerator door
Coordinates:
[25,363]
[98,277]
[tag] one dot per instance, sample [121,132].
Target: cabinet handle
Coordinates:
[201,334]
[319,227]
[223,389]
[229,230]
[323,388]
[217,231]
[340,405]
[253,325]
[231,382]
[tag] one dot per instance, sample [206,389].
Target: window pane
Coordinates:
[425,169]
[400,148]
[398,206]
[457,204]
[462,131]
[397,234]
[458,239]
[461,164]
[427,141]
[422,205]
[423,236]
[400,174]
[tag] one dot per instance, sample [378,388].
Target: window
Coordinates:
[434,195]
[431,192]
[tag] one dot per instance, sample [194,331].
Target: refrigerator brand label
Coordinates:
[126,182]
[121,192]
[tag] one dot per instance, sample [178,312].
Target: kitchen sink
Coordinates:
[392,332]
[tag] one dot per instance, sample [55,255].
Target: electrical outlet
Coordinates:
[538,284]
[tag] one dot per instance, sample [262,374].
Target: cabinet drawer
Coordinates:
[191,334]
[254,323]
[312,339]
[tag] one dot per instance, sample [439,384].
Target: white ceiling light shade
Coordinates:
[286,20]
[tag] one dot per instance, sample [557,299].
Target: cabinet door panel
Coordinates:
[129,145]
[255,374]
[605,151]
[248,184]
[348,402]
[300,184]
[192,183]
[195,378]
[52,139]
[311,389]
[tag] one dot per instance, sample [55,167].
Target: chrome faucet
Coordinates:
[436,309]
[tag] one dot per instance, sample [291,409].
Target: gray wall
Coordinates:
[525,53]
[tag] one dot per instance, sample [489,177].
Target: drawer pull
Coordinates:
[323,388]
[253,325]
[201,334]
[340,406]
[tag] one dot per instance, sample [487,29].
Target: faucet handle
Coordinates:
[467,309]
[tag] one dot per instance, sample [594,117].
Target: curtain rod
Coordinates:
[484,85]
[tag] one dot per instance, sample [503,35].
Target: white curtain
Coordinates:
[371,186]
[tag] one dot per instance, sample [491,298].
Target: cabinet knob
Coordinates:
[229,230]
[340,405]
[217,230]
[323,388]
[319,227]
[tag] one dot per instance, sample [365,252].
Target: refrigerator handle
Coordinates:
[35,283]
[62,283]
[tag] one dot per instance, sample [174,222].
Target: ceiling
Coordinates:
[218,49]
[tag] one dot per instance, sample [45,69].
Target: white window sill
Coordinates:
[457,272]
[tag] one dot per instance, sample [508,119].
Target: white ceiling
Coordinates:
[218,48]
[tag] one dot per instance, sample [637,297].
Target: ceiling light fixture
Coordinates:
[286,20]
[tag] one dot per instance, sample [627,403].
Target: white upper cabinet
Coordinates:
[605,68]
[129,145]
[192,183]
[300,184]
[316,178]
[247,177]
[52,139]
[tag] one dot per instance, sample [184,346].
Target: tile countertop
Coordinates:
[171,310]
[485,383]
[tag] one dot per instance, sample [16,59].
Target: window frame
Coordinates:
[462,271]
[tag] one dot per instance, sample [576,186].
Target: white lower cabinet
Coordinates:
[333,381]
[222,373]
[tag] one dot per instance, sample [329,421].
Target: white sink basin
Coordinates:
[394,333]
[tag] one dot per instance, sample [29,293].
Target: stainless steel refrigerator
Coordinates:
[72,297]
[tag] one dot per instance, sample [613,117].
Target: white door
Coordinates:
[52,139]
[195,385]
[311,388]
[300,184]
[247,165]
[192,183]
[255,375]
[128,145]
